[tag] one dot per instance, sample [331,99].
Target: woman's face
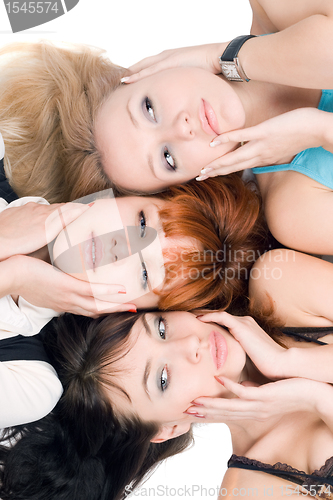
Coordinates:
[172,360]
[156,132]
[117,241]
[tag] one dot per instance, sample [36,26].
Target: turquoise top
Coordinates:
[316,163]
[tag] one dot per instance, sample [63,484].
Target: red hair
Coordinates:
[224,216]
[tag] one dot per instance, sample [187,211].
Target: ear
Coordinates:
[171,431]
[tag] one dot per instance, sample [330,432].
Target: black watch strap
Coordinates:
[234,47]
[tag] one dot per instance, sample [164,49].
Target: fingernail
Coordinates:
[199,416]
[214,143]
[132,310]
[192,412]
[124,79]
[201,178]
[196,404]
[122,290]
[200,316]
[219,381]
[91,204]
[205,171]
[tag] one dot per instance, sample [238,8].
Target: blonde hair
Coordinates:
[49,97]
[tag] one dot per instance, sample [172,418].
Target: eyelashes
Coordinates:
[164,380]
[144,275]
[162,332]
[169,159]
[142,224]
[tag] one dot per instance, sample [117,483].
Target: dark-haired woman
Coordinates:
[134,385]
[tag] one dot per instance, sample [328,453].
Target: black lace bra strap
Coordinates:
[6,191]
[309,334]
[283,471]
[22,348]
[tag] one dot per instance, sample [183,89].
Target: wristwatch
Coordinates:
[229,62]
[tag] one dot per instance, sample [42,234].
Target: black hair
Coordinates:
[83,450]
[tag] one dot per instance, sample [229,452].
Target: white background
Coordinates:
[130,30]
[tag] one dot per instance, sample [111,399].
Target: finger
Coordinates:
[241,391]
[214,169]
[151,70]
[240,159]
[240,135]
[241,154]
[62,217]
[221,317]
[95,306]
[103,307]
[101,290]
[219,409]
[237,325]
[145,63]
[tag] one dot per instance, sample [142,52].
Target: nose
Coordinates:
[184,127]
[189,348]
[119,247]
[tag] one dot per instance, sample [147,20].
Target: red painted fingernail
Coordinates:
[132,310]
[91,204]
[200,316]
[196,404]
[199,416]
[191,412]
[219,380]
[121,291]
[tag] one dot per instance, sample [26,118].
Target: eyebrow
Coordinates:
[148,364]
[133,120]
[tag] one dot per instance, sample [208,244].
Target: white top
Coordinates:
[29,390]
[2,148]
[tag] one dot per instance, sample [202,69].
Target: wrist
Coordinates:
[292,363]
[12,275]
[17,268]
[230,63]
[323,401]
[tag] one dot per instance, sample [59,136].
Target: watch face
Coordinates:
[229,70]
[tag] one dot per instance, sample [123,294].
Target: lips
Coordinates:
[218,349]
[93,251]
[208,119]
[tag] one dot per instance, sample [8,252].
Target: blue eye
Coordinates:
[162,327]
[169,160]
[164,379]
[142,224]
[149,108]
[144,275]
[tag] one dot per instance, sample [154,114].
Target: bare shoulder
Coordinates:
[255,484]
[299,212]
[298,285]
[285,13]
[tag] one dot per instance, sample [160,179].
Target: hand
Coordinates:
[22,229]
[45,286]
[268,356]
[200,56]
[258,403]
[274,141]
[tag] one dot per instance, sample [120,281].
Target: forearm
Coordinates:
[323,403]
[314,363]
[11,271]
[300,55]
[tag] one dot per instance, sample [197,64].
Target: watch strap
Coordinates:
[234,47]
[229,62]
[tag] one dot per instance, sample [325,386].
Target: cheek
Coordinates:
[127,273]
